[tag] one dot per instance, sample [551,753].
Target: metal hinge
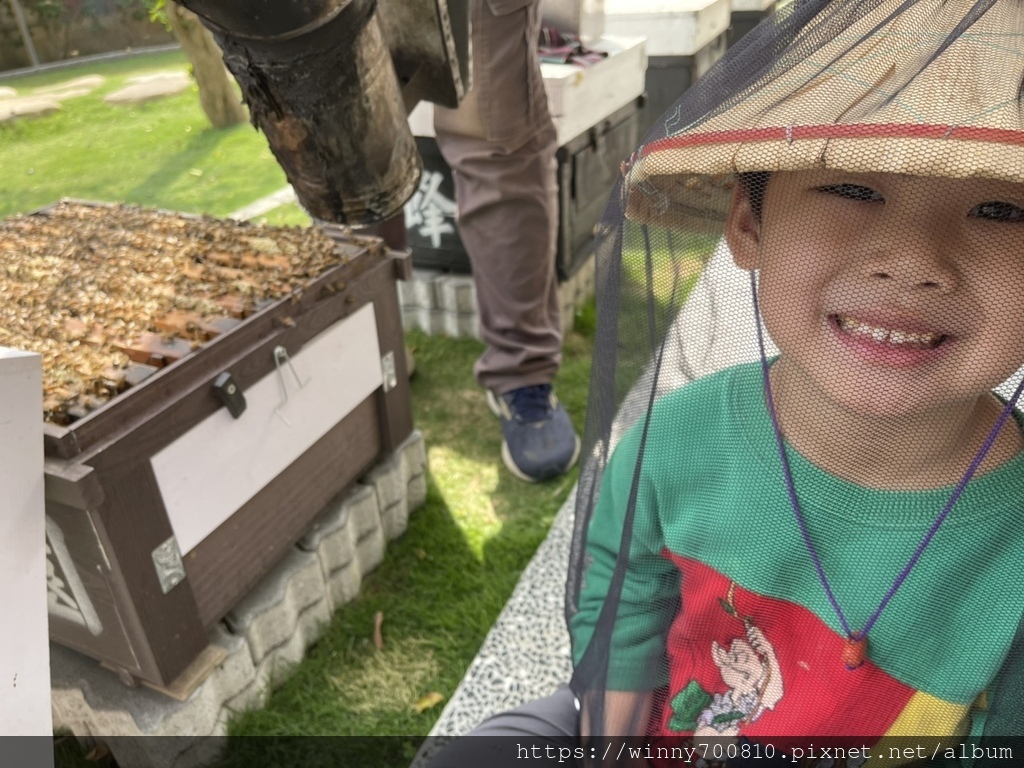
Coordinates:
[169,568]
[387,369]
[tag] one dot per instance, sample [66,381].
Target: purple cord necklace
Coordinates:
[855,649]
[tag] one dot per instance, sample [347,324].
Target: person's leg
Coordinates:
[508,227]
[501,147]
[546,729]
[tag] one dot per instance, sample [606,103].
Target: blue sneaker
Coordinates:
[540,442]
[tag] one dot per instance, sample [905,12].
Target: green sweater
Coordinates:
[712,508]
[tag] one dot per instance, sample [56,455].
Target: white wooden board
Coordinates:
[24,645]
[208,473]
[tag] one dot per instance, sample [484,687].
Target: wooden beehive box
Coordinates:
[273,376]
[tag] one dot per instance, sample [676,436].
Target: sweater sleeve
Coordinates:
[650,590]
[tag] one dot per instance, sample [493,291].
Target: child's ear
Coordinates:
[743,229]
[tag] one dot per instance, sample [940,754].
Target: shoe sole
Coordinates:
[506,457]
[492,403]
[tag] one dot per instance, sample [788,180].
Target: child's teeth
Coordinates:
[882,334]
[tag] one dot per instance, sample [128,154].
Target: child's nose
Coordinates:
[916,259]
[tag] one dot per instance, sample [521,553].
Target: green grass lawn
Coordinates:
[442,583]
[290,215]
[162,152]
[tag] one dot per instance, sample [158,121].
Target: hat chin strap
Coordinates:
[855,650]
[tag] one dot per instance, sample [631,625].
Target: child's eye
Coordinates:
[853,192]
[997,211]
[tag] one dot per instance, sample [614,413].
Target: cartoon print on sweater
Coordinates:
[749,667]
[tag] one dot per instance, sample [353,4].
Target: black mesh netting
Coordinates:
[821,532]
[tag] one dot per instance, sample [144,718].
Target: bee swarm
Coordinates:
[108,294]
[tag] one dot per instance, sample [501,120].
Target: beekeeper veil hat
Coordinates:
[800,505]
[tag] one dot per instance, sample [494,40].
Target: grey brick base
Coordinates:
[440,303]
[265,635]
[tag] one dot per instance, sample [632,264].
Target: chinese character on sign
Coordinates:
[429,210]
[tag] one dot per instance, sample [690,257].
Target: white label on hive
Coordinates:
[208,473]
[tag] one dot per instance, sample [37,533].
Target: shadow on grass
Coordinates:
[200,146]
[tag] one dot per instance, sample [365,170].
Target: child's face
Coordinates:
[891,294]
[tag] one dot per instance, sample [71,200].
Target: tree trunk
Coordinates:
[218,94]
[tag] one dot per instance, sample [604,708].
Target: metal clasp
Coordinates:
[167,561]
[282,361]
[388,371]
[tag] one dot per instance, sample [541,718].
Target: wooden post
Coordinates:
[24,654]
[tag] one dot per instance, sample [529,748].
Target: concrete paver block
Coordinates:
[420,291]
[337,551]
[413,453]
[343,585]
[270,614]
[436,322]
[456,294]
[409,292]
[334,516]
[461,326]
[91,702]
[417,491]
[252,697]
[363,510]
[370,550]
[395,519]
[279,661]
[388,481]
[430,321]
[367,535]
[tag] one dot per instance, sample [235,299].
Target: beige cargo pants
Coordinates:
[500,144]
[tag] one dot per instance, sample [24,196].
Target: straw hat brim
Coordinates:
[670,173]
[878,98]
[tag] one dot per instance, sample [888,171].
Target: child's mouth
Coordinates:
[887,336]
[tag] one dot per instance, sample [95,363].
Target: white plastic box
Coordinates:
[581,97]
[672,27]
[578,97]
[580,17]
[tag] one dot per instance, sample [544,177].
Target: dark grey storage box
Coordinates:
[588,167]
[669,77]
[741,22]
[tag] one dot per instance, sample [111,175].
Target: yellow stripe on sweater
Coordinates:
[923,724]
